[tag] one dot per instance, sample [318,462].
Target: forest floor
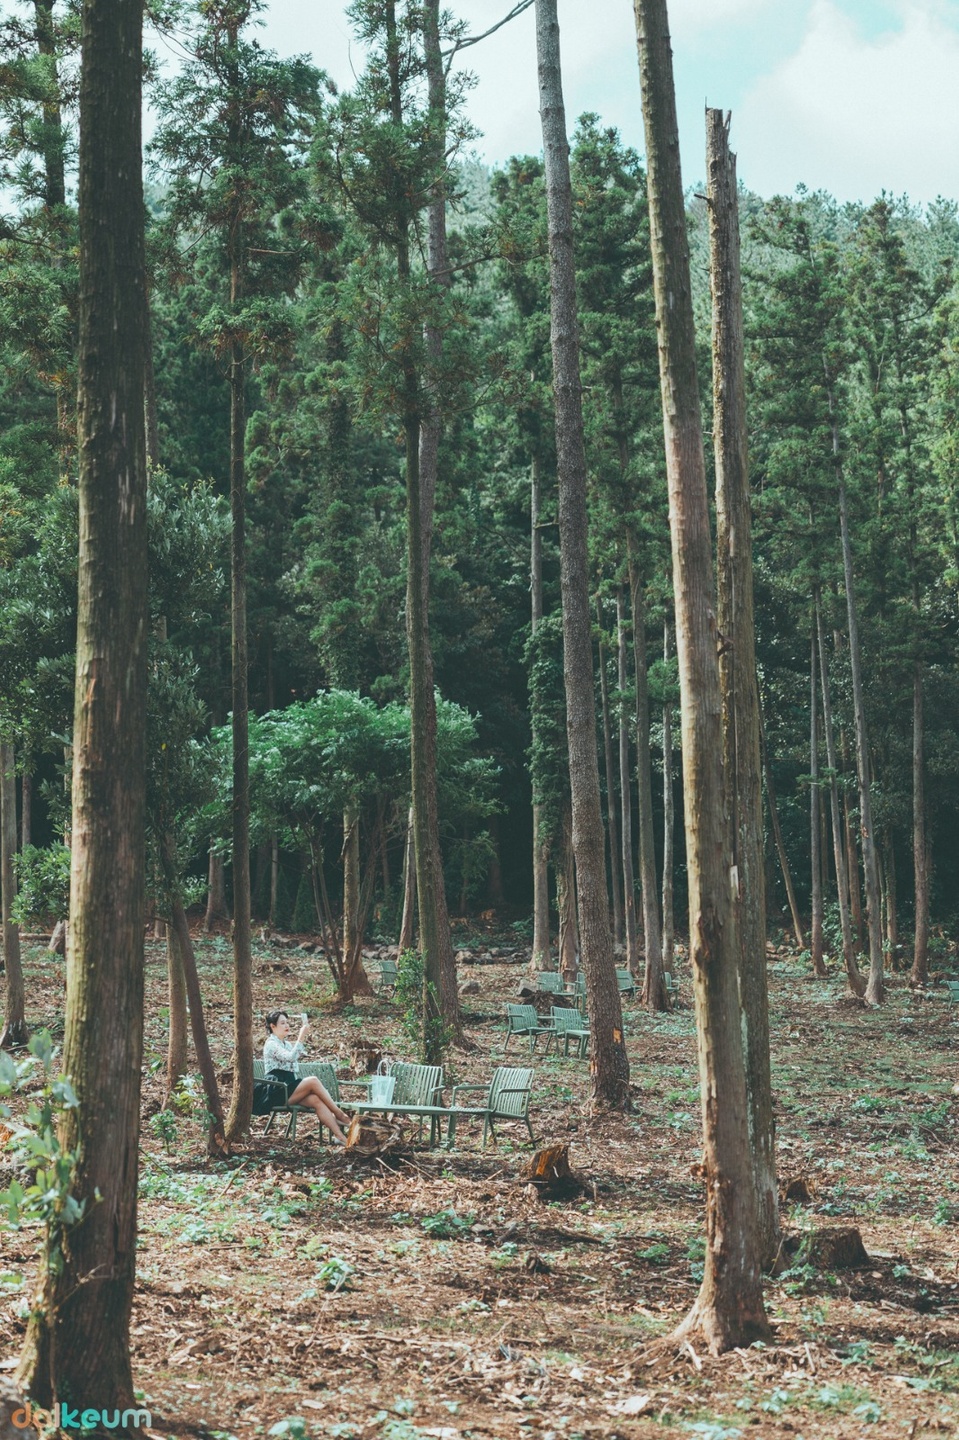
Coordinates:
[300,1291]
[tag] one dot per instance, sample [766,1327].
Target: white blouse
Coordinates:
[282,1054]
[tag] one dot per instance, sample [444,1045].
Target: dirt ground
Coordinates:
[300,1291]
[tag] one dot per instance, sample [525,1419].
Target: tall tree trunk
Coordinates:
[655,996]
[409,889]
[890,898]
[815,818]
[440,997]
[180,935]
[177,1029]
[566,900]
[78,1337]
[626,808]
[241,1099]
[742,765]
[920,845]
[15,1030]
[217,911]
[612,809]
[668,822]
[494,880]
[352,941]
[778,837]
[874,985]
[856,983]
[542,956]
[608,1059]
[729,1309]
[26,811]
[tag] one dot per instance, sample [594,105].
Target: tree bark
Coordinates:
[78,1337]
[856,983]
[626,808]
[176,1053]
[729,1309]
[15,1030]
[608,1060]
[668,823]
[742,764]
[542,953]
[352,941]
[440,995]
[26,811]
[778,837]
[874,985]
[655,996]
[409,890]
[920,845]
[217,911]
[815,819]
[612,809]
[241,1099]
[566,901]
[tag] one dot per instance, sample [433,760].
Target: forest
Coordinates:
[410,564]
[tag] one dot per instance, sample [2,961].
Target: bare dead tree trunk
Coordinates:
[608,1060]
[855,981]
[729,1309]
[742,765]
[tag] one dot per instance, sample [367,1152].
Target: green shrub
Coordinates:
[43,884]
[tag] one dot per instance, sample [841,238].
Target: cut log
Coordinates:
[549,1176]
[375,1135]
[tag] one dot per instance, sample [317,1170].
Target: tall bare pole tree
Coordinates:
[15,1030]
[742,762]
[610,1066]
[729,1309]
[77,1346]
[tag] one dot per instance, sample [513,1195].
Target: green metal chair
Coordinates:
[388,975]
[569,1025]
[507,1098]
[523,1020]
[626,982]
[551,981]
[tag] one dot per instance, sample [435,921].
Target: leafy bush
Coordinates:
[43,883]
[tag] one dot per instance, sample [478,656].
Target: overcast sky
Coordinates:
[850,96]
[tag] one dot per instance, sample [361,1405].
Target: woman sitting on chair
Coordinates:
[280,1059]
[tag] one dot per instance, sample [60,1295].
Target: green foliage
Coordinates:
[43,884]
[48,1200]
[447,1225]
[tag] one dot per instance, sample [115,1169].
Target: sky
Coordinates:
[849,96]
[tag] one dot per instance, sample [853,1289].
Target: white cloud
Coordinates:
[856,115]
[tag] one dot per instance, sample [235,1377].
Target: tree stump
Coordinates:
[365,1057]
[370,1135]
[549,1176]
[838,1247]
